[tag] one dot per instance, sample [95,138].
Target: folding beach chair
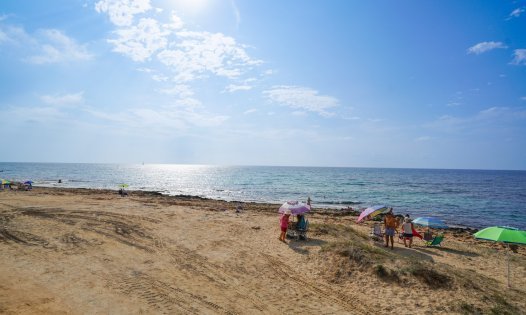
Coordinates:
[376,232]
[428,236]
[298,230]
[435,241]
[301,228]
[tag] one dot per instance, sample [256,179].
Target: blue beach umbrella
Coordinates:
[430,222]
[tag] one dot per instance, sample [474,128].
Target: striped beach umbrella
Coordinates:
[372,212]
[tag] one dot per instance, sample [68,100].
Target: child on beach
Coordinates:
[284,224]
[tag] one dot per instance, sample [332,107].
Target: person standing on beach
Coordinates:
[390,226]
[407,229]
[284,224]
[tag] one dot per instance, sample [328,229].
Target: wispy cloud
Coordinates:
[231,88]
[250,111]
[236,12]
[32,115]
[298,97]
[496,116]
[163,121]
[516,13]
[484,47]
[63,99]
[121,12]
[54,47]
[181,90]
[519,57]
[44,46]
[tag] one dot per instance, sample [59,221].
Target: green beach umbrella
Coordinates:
[504,234]
[123,185]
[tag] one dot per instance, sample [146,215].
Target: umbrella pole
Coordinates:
[508,256]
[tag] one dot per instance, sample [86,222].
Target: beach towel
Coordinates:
[415,233]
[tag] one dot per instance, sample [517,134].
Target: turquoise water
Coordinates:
[473,198]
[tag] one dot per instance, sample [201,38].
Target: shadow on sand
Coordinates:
[299,246]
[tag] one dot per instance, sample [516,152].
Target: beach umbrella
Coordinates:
[123,185]
[430,222]
[372,212]
[295,207]
[504,234]
[5,182]
[28,182]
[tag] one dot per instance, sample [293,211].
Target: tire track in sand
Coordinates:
[345,301]
[165,297]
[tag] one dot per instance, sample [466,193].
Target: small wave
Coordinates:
[342,202]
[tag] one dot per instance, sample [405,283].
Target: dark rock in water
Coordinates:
[337,212]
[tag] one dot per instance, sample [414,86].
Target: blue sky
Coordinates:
[423,84]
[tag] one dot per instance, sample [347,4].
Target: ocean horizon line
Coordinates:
[278,166]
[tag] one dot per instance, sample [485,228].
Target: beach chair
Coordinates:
[376,232]
[436,241]
[428,236]
[298,230]
[301,229]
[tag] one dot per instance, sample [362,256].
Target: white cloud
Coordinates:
[55,47]
[141,41]
[484,47]
[160,78]
[175,24]
[231,88]
[44,46]
[519,57]
[523,98]
[63,99]
[181,90]
[250,111]
[297,97]
[516,13]
[198,53]
[121,12]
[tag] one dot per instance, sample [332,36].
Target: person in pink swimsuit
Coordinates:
[284,224]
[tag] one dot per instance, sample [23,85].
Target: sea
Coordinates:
[462,198]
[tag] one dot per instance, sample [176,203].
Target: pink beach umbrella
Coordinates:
[372,211]
[295,207]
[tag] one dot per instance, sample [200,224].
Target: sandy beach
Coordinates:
[78,251]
